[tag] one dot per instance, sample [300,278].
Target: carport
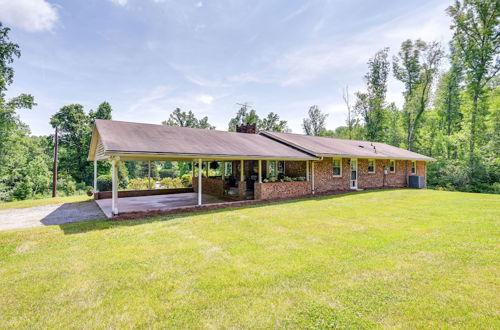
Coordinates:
[117,141]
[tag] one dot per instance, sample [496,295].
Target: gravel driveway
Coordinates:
[49,215]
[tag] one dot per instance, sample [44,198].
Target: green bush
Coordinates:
[169,183]
[168,173]
[104,183]
[23,190]
[187,180]
[140,184]
[66,186]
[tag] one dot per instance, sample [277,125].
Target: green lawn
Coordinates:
[400,258]
[42,202]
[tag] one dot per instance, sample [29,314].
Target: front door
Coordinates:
[354,174]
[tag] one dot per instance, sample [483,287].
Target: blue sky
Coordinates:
[148,57]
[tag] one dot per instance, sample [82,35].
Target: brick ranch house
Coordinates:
[264,165]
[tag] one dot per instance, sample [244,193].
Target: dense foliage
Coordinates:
[451,112]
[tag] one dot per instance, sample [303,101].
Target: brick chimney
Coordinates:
[247,128]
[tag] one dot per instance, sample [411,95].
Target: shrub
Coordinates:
[67,186]
[187,180]
[104,183]
[168,173]
[169,183]
[23,189]
[140,184]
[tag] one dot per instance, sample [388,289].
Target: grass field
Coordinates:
[42,202]
[401,258]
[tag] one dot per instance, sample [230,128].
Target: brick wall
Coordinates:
[137,193]
[325,181]
[277,190]
[210,186]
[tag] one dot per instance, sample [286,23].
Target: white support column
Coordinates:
[242,175]
[200,173]
[95,176]
[149,175]
[114,192]
[307,170]
[313,188]
[260,171]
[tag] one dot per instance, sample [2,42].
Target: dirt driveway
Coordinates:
[49,215]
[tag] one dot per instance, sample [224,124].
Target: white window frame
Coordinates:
[340,164]
[413,167]
[374,166]
[392,160]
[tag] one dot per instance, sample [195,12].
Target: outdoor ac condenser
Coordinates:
[416,182]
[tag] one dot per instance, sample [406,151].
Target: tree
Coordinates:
[273,123]
[351,120]
[245,115]
[476,38]
[448,104]
[103,112]
[315,123]
[371,105]
[416,66]
[187,119]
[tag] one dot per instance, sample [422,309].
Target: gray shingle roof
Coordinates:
[325,146]
[120,137]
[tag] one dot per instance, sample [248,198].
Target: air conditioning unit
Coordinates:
[417,182]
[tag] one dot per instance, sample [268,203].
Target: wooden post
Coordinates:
[149,175]
[307,170]
[260,171]
[54,169]
[95,176]
[313,188]
[114,192]
[242,175]
[200,173]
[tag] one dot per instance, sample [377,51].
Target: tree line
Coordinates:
[451,112]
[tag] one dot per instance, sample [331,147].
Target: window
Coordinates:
[392,166]
[275,168]
[371,165]
[413,167]
[337,167]
[228,170]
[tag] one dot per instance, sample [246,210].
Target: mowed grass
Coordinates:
[400,258]
[42,202]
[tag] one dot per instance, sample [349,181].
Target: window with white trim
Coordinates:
[371,165]
[413,167]
[392,166]
[337,167]
[275,168]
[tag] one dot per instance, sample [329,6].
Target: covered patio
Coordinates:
[156,202]
[243,160]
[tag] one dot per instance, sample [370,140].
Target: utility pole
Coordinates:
[54,169]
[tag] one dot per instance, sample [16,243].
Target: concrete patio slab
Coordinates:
[155,203]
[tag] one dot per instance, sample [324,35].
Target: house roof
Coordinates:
[131,140]
[325,146]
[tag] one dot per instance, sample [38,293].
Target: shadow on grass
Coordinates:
[102,224]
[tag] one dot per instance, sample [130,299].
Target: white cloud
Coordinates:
[119,2]
[199,4]
[206,99]
[30,15]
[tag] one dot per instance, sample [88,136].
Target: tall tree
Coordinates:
[187,119]
[476,38]
[273,123]
[315,123]
[416,66]
[351,120]
[372,105]
[103,112]
[448,104]
[245,115]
